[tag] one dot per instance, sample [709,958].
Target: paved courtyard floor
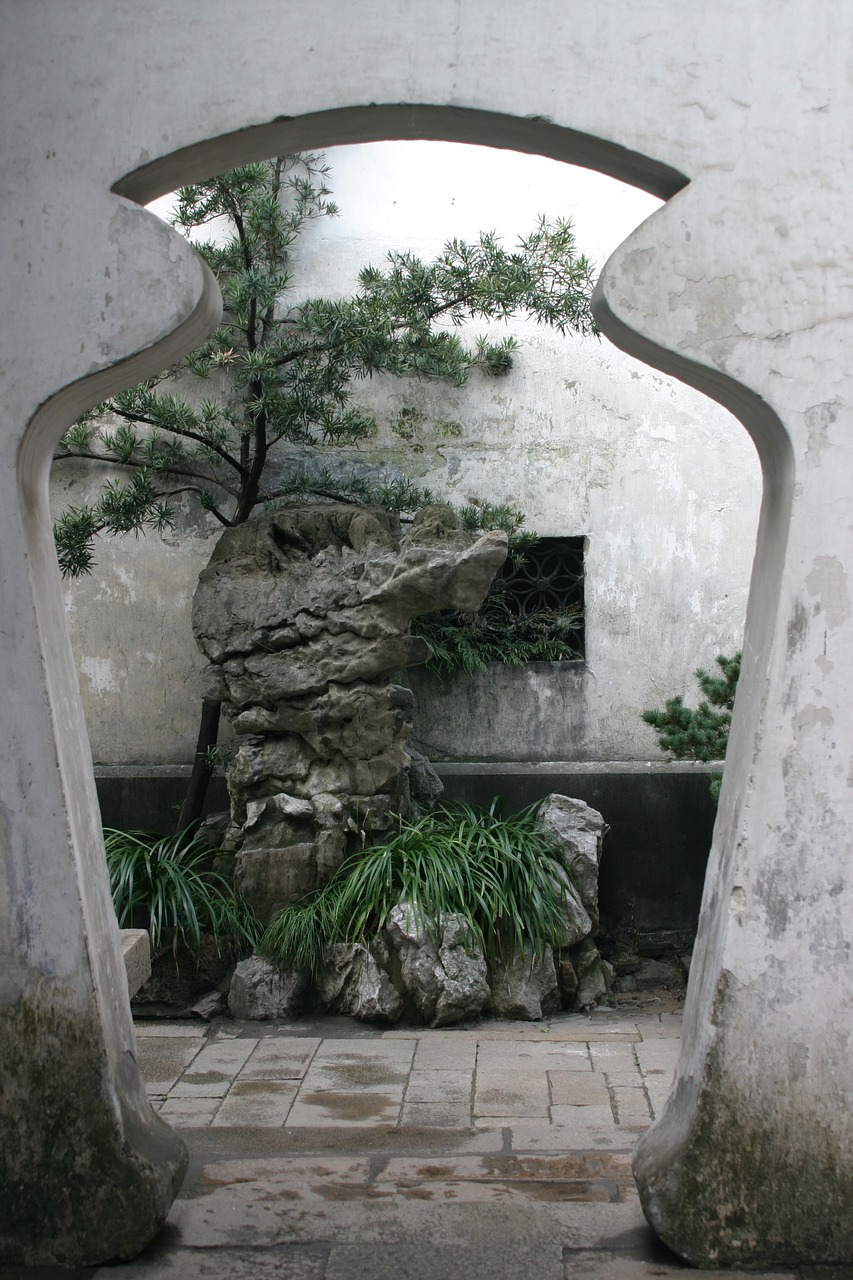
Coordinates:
[328,1150]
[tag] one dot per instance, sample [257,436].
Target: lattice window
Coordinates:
[533,613]
[550,577]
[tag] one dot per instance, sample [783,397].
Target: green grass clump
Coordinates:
[502,876]
[470,642]
[169,881]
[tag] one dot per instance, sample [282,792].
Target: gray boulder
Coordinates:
[577,923]
[334,974]
[352,981]
[594,974]
[259,992]
[443,971]
[425,786]
[568,982]
[525,988]
[579,831]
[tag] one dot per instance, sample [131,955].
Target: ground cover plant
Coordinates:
[166,883]
[700,733]
[502,876]
[470,642]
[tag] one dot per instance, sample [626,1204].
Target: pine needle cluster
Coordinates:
[700,733]
[280,370]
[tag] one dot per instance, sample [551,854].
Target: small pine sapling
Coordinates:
[701,733]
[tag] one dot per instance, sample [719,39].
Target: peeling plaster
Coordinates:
[99,673]
[818,419]
[828,582]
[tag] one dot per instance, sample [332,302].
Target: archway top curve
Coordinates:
[399,122]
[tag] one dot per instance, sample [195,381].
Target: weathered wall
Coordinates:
[662,482]
[740,285]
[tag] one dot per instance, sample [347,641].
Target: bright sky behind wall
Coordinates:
[419,194]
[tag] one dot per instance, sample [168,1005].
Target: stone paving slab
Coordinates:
[578,1033]
[439,1086]
[264,1103]
[189,1112]
[441,1115]
[289,1262]
[148,1030]
[446,1055]
[305,1173]
[589,1264]
[206,1085]
[515,1055]
[237,1215]
[584,1129]
[486,1075]
[574,1118]
[330,1149]
[239,1141]
[631,1103]
[401,1262]
[621,1056]
[221,1058]
[283,1058]
[354,1075]
[365,1183]
[163,1059]
[340,1110]
[569,1167]
[451,1262]
[576,1089]
[658,1055]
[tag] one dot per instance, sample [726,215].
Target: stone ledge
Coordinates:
[453,768]
[136,953]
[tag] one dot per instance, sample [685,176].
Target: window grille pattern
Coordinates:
[549,577]
[532,613]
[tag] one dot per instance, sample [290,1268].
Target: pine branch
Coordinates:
[285,372]
[701,733]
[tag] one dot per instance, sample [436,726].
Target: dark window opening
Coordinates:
[549,576]
[534,612]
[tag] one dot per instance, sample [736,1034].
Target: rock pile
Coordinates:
[439,976]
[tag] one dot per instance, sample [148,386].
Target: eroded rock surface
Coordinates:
[594,974]
[355,980]
[259,991]
[304,616]
[579,832]
[526,987]
[442,969]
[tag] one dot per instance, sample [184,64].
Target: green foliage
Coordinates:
[469,642]
[481,517]
[400,495]
[169,880]
[701,733]
[277,370]
[135,506]
[502,876]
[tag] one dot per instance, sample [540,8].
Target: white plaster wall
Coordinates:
[740,284]
[663,482]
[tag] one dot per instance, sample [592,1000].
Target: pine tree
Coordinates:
[701,733]
[280,372]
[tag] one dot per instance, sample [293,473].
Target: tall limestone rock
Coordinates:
[304,616]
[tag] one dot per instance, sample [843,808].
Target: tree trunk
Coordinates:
[203,766]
